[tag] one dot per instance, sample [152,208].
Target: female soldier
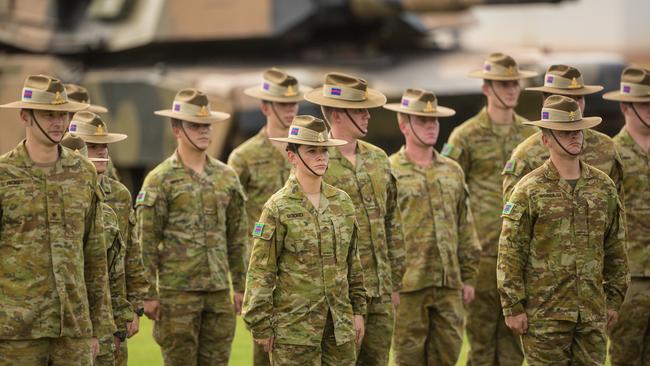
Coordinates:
[305,298]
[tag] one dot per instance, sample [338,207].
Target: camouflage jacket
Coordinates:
[52,254]
[371,185]
[192,227]
[262,171]
[562,250]
[119,198]
[442,248]
[482,153]
[304,263]
[598,151]
[636,184]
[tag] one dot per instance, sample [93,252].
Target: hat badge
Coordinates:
[290,92]
[100,130]
[574,83]
[321,138]
[203,112]
[58,99]
[572,115]
[429,107]
[511,70]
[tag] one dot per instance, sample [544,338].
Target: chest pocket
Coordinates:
[299,232]
[16,194]
[75,201]
[380,180]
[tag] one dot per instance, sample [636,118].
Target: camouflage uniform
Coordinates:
[54,289]
[193,233]
[372,187]
[442,254]
[482,152]
[562,261]
[305,280]
[630,337]
[598,151]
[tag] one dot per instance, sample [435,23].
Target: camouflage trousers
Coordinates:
[123,355]
[106,356]
[260,357]
[195,327]
[491,342]
[379,322]
[46,352]
[630,336]
[327,354]
[561,342]
[429,327]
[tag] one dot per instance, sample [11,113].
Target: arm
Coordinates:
[151,211]
[394,235]
[237,236]
[136,279]
[122,311]
[615,269]
[357,290]
[469,247]
[455,149]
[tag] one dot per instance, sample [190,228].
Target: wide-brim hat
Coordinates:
[80,94]
[420,102]
[562,113]
[309,130]
[346,92]
[635,86]
[91,128]
[501,67]
[44,92]
[77,144]
[277,86]
[192,105]
[565,80]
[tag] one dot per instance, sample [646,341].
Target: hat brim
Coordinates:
[375,99]
[255,92]
[97,108]
[585,90]
[328,143]
[212,118]
[523,74]
[439,112]
[583,124]
[102,139]
[68,106]
[617,96]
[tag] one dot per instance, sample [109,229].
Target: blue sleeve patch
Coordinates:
[507,209]
[257,229]
[510,166]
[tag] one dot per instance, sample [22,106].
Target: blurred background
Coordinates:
[133,55]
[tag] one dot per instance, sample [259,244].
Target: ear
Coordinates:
[624,108]
[176,131]
[25,117]
[265,108]
[485,88]
[402,123]
[546,141]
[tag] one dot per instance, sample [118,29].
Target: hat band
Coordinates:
[344,93]
[279,90]
[43,97]
[419,106]
[556,115]
[190,109]
[87,129]
[560,82]
[306,134]
[495,69]
[634,89]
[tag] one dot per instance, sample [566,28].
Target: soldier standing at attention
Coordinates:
[598,150]
[442,248]
[55,300]
[482,145]
[305,298]
[562,267]
[630,337]
[363,171]
[191,222]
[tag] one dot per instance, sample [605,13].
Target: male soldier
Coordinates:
[109,344]
[261,163]
[482,145]
[92,129]
[562,268]
[442,248]
[191,222]
[363,171]
[630,337]
[55,301]
[598,151]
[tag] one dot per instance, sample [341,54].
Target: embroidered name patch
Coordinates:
[257,229]
[295,215]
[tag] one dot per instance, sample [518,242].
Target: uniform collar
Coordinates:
[105,183]
[627,140]
[485,122]
[550,171]
[66,157]
[177,163]
[404,160]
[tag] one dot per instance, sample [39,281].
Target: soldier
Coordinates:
[598,150]
[305,298]
[191,222]
[482,145]
[92,129]
[363,171]
[442,248]
[630,337]
[562,268]
[55,301]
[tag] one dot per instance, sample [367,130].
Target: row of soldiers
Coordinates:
[356,251]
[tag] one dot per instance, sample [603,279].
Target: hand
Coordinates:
[468,294]
[152,309]
[117,342]
[267,343]
[360,329]
[133,327]
[612,317]
[238,299]
[517,323]
[394,298]
[94,347]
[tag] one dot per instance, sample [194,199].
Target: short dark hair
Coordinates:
[292,147]
[175,122]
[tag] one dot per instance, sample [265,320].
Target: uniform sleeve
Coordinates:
[469,247]
[262,275]
[237,237]
[151,214]
[137,285]
[357,290]
[394,235]
[122,311]
[512,173]
[236,162]
[514,247]
[455,149]
[615,271]
[617,175]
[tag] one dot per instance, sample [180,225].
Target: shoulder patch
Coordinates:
[507,209]
[510,166]
[141,196]
[447,149]
[257,229]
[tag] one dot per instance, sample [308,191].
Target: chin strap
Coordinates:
[498,97]
[306,165]
[639,116]
[563,148]
[47,135]
[188,137]
[355,123]
[278,117]
[415,133]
